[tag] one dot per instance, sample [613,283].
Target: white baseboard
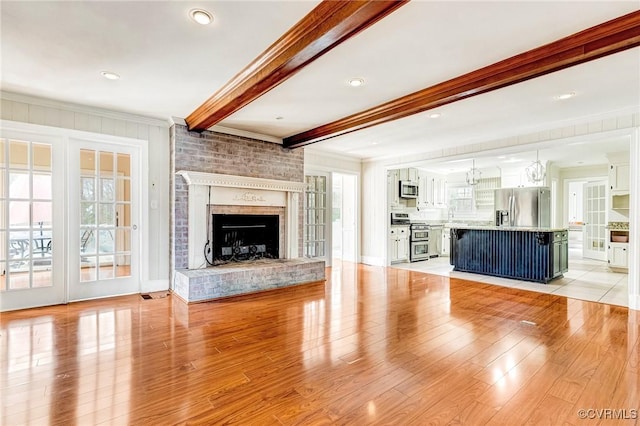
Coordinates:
[372,260]
[634,302]
[154,285]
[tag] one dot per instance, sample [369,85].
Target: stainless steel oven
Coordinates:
[419,242]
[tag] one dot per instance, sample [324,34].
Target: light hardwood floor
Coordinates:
[371,345]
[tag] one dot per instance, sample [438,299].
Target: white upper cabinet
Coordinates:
[619,178]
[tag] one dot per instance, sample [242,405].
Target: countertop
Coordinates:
[509,228]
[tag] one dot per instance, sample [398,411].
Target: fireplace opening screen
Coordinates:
[244,237]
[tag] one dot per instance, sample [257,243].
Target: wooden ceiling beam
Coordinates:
[325,27]
[605,39]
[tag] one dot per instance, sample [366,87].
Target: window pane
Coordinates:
[3,173]
[42,187]
[19,185]
[3,276]
[106,163]
[106,241]
[41,157]
[42,277]
[42,211]
[18,155]
[87,214]
[106,270]
[88,189]
[19,246]
[123,266]
[87,162]
[87,241]
[19,214]
[42,247]
[88,268]
[123,240]
[123,215]
[107,190]
[3,247]
[19,277]
[124,165]
[124,189]
[106,215]
[2,147]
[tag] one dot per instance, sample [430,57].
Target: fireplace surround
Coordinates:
[213,195]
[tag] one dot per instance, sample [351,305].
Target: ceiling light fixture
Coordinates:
[201,16]
[565,96]
[435,115]
[356,82]
[536,171]
[279,117]
[110,75]
[473,175]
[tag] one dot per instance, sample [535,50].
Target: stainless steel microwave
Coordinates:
[408,189]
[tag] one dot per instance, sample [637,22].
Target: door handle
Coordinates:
[134,227]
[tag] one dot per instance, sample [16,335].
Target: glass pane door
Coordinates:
[28,274]
[106,250]
[315,216]
[594,220]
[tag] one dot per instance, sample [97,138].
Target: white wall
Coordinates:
[27,109]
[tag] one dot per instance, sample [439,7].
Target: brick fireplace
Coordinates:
[217,173]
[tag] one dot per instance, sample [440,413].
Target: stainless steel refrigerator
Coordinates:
[523,207]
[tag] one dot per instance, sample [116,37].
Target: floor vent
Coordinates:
[156,295]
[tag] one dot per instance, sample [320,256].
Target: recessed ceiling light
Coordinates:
[374,143]
[564,96]
[356,82]
[502,157]
[201,16]
[435,115]
[109,75]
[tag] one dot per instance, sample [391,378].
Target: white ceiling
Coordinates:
[169,66]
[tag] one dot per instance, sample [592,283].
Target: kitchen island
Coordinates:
[530,254]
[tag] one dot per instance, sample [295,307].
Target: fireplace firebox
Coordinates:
[238,237]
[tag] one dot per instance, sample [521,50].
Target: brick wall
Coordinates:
[213,152]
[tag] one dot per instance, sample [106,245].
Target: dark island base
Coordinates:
[529,255]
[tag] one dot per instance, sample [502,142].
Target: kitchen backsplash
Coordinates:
[624,226]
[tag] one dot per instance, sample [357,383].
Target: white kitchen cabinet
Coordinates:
[410,174]
[619,178]
[393,189]
[432,190]
[425,190]
[618,256]
[446,241]
[399,244]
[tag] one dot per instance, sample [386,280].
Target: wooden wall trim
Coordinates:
[601,40]
[325,27]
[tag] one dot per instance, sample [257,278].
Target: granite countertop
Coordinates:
[509,228]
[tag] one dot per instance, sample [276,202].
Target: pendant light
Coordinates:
[536,171]
[473,175]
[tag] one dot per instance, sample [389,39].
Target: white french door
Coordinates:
[104,213]
[31,221]
[594,220]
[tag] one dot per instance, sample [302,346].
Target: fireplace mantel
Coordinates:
[231,181]
[218,189]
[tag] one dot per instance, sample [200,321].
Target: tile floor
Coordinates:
[586,279]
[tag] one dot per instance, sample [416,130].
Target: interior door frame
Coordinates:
[63,135]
